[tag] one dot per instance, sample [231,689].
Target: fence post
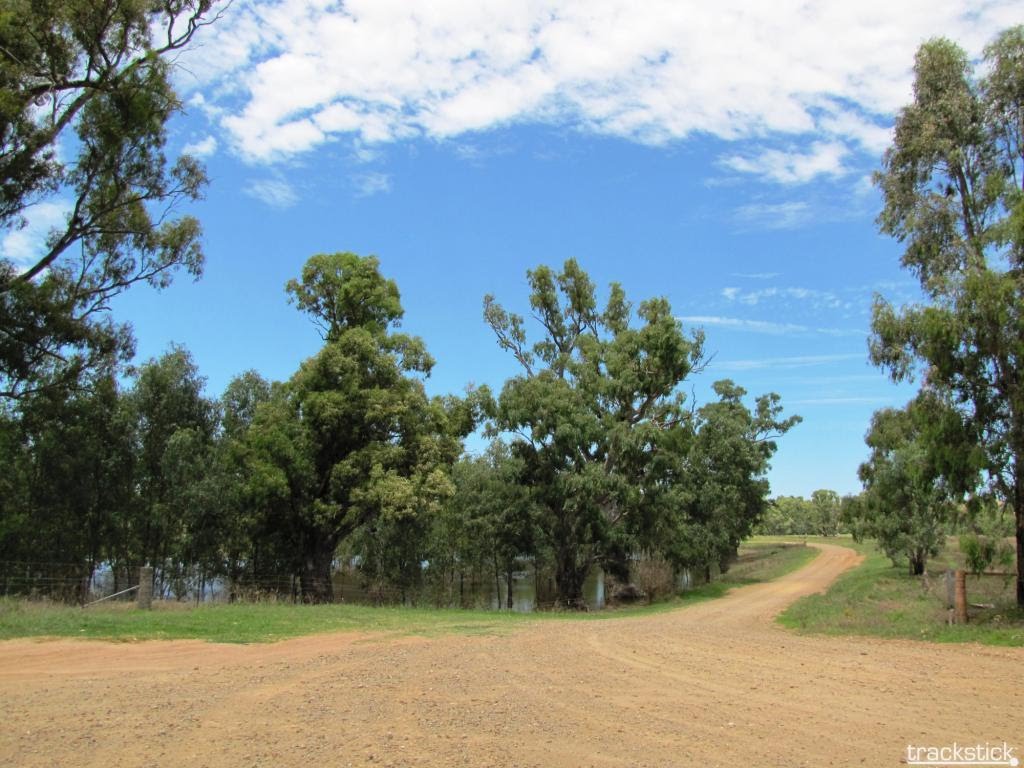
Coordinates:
[950,590]
[961,596]
[145,587]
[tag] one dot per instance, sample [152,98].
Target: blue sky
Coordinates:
[717,156]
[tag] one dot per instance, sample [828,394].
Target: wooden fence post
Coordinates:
[961,596]
[145,587]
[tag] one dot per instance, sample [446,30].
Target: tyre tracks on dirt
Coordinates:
[717,684]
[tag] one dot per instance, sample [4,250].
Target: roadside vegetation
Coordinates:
[883,599]
[272,621]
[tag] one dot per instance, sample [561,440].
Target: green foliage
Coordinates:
[614,460]
[952,184]
[352,443]
[821,515]
[175,427]
[68,472]
[982,552]
[485,529]
[718,490]
[906,502]
[93,78]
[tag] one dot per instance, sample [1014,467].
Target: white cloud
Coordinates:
[276,193]
[765,326]
[773,215]
[874,138]
[26,245]
[290,75]
[202,148]
[792,166]
[808,296]
[742,324]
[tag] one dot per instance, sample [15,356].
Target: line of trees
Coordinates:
[595,459]
[953,189]
[821,515]
[601,460]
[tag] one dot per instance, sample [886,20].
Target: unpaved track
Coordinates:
[717,684]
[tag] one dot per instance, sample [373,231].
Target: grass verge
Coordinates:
[268,622]
[882,600]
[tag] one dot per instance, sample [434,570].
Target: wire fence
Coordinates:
[532,588]
[990,588]
[75,583]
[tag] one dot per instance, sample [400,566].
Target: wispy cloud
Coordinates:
[363,154]
[741,324]
[276,193]
[809,296]
[766,326]
[773,215]
[800,361]
[288,76]
[369,184]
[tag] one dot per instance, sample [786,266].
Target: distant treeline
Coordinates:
[821,515]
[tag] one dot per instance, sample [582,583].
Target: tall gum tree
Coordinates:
[953,187]
[599,422]
[352,438]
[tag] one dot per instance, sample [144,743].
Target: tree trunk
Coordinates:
[497,581]
[508,587]
[315,578]
[1018,513]
[569,578]
[917,561]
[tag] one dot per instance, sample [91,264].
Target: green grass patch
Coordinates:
[883,600]
[240,622]
[269,622]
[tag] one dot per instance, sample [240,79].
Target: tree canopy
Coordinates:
[352,440]
[953,185]
[599,423]
[93,78]
[907,502]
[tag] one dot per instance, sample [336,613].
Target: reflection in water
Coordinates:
[524,591]
[349,588]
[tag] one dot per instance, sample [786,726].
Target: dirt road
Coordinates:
[717,684]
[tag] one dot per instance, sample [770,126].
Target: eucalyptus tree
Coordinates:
[487,527]
[352,440]
[907,500]
[85,98]
[68,478]
[723,472]
[599,423]
[174,426]
[953,184]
